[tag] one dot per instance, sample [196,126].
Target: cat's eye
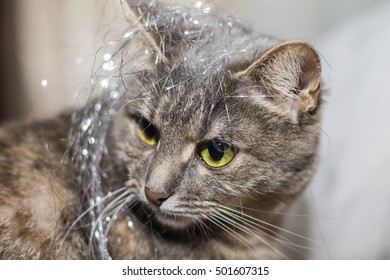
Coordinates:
[216,154]
[148,133]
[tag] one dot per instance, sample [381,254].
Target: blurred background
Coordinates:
[48,50]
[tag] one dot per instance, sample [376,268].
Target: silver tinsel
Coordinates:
[122,60]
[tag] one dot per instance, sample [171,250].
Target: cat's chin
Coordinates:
[161,219]
[175,222]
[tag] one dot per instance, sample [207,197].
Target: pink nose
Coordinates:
[157,198]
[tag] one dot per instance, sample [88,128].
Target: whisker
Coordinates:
[282,240]
[319,227]
[253,234]
[128,200]
[205,229]
[291,214]
[251,224]
[236,235]
[111,205]
[107,209]
[269,224]
[82,215]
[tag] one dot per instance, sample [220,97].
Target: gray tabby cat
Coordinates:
[196,157]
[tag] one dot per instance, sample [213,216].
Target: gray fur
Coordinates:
[215,79]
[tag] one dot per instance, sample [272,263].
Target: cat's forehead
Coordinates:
[202,107]
[184,104]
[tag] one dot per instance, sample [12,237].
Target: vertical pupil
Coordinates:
[216,150]
[149,129]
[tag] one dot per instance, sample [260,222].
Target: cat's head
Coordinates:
[224,125]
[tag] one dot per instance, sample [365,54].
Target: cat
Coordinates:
[203,134]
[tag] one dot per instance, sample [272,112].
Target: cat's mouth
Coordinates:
[162,219]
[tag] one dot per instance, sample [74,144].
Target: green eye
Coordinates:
[216,154]
[148,133]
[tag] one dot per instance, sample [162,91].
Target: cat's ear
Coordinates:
[289,76]
[139,13]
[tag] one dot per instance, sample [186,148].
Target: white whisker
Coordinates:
[233,233]
[117,209]
[248,226]
[112,205]
[251,233]
[88,210]
[268,224]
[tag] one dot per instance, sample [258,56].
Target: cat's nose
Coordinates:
[157,198]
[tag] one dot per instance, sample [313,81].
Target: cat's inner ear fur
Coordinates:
[289,75]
